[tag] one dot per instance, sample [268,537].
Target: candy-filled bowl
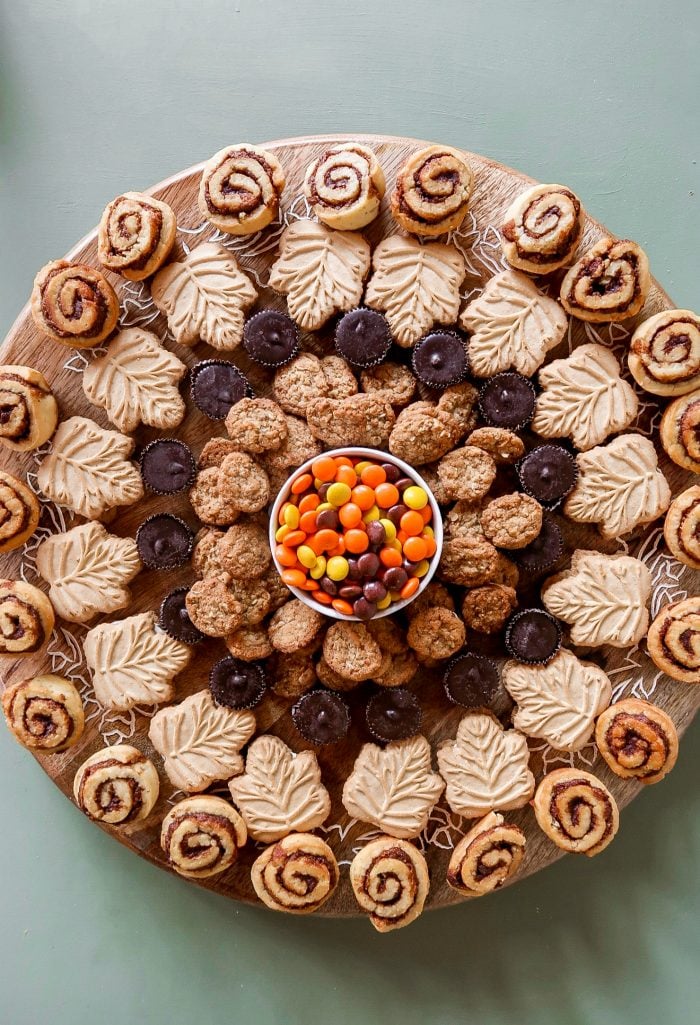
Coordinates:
[387,526]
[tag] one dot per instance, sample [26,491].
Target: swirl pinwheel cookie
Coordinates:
[664,356]
[19,512]
[432,191]
[673,642]
[610,282]
[603,598]
[584,398]
[576,811]
[541,228]
[74,304]
[680,431]
[201,836]
[240,189]
[296,875]
[486,857]
[390,880]
[135,235]
[682,527]
[45,714]
[344,186]
[637,740]
[117,786]
[26,618]
[28,409]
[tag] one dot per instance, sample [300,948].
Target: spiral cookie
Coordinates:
[432,191]
[673,641]
[19,512]
[297,875]
[576,811]
[680,431]
[682,527]
[45,714]
[390,881]
[542,228]
[489,854]
[610,282]
[344,186]
[28,410]
[26,618]
[117,785]
[201,836]
[135,235]
[74,304]
[664,355]
[240,189]
[637,740]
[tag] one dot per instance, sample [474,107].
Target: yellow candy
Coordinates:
[394,595]
[421,568]
[338,494]
[291,517]
[318,568]
[371,514]
[337,568]
[282,532]
[317,483]
[306,556]
[415,497]
[395,544]
[384,603]
[359,467]
[389,529]
[322,506]
[428,531]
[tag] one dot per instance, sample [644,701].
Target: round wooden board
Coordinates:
[496,186]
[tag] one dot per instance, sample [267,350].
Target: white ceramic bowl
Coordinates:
[406,471]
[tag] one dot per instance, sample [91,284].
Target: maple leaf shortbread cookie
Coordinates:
[204,296]
[603,598]
[415,285]
[584,398]
[511,325]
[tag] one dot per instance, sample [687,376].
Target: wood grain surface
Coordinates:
[496,186]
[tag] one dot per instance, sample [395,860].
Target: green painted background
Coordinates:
[98,97]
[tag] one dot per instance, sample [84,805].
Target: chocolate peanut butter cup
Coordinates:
[216,385]
[362,337]
[440,359]
[545,551]
[167,466]
[472,681]
[393,713]
[271,338]
[321,716]
[533,636]
[548,473]
[164,541]
[237,684]
[174,618]
[508,400]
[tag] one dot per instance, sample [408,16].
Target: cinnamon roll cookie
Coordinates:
[432,191]
[390,880]
[117,785]
[28,409]
[541,228]
[680,431]
[19,512]
[240,189]
[45,714]
[297,875]
[664,355]
[682,527]
[637,740]
[74,304]
[344,186]
[26,618]
[610,282]
[135,235]
[201,836]
[486,857]
[576,811]
[673,641]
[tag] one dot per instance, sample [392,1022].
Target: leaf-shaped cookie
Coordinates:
[320,271]
[619,487]
[559,702]
[394,787]
[415,285]
[280,792]
[88,469]
[136,381]
[511,325]
[200,741]
[132,663]
[603,598]
[88,570]
[584,398]
[205,296]
[485,767]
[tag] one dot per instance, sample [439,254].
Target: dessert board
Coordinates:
[630,670]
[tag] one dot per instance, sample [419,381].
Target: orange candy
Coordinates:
[294,538]
[309,503]
[350,515]
[363,496]
[390,557]
[343,461]
[346,475]
[387,495]
[412,522]
[430,547]
[338,550]
[410,587]
[286,556]
[356,541]
[322,597]
[427,513]
[373,476]
[324,468]
[283,509]
[294,577]
[302,483]
[324,540]
[307,521]
[340,605]
[415,549]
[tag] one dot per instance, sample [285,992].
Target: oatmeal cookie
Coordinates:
[430,476]
[291,675]
[293,626]
[394,381]
[329,678]
[299,446]
[512,521]
[213,607]
[276,588]
[211,505]
[300,381]
[467,473]
[256,425]
[254,597]
[249,643]
[503,446]
[340,380]
[485,609]
[214,452]
[350,650]
[419,435]
[463,519]
[243,483]
[402,667]
[457,407]
[469,561]
[507,573]
[435,596]
[244,551]
[388,635]
[358,420]
[205,559]
[436,634]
